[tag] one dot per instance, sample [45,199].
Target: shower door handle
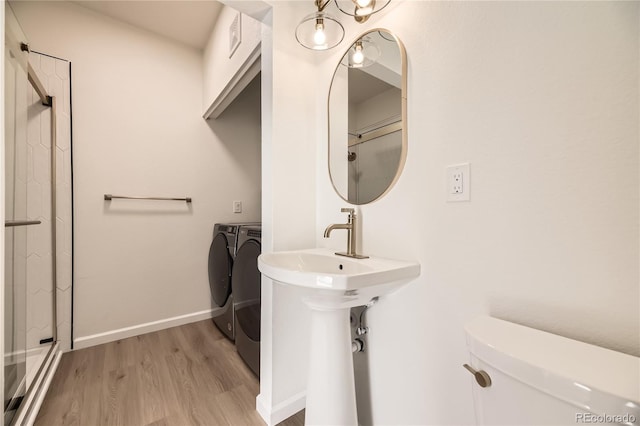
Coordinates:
[11,223]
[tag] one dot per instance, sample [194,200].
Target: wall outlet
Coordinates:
[458,182]
[237,206]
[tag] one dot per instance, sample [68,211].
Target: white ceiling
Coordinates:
[186,21]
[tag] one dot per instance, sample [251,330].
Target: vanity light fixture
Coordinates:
[320,31]
[361,9]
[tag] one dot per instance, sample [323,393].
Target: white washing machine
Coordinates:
[247,295]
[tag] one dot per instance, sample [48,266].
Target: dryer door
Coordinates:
[219,270]
[246,289]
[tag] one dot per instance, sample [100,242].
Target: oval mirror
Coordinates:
[368,117]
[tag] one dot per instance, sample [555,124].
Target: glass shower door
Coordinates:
[29,251]
[15,262]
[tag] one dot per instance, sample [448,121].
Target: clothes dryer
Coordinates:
[247,296]
[221,255]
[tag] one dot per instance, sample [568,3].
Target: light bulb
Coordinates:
[364,7]
[319,37]
[364,11]
[358,57]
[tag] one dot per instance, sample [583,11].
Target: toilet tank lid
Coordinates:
[577,372]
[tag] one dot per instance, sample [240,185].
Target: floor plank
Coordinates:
[188,375]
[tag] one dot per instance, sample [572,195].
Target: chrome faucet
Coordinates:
[351,227]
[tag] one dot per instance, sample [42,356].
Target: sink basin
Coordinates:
[331,285]
[354,281]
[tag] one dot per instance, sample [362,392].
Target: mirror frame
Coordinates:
[403,101]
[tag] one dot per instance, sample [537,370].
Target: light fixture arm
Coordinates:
[322,4]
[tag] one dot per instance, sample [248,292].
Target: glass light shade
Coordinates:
[361,8]
[319,31]
[361,54]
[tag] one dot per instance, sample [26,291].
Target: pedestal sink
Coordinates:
[333,284]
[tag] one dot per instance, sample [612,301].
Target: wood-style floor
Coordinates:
[188,375]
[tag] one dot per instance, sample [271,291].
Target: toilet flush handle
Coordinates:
[481,376]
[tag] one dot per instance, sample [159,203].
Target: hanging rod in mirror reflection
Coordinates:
[110,197]
[375,133]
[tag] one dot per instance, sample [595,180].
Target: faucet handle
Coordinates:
[347,210]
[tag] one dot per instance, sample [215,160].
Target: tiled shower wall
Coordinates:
[55,76]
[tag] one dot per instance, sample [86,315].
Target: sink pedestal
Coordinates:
[332,285]
[331,394]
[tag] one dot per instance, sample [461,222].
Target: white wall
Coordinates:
[288,208]
[220,69]
[542,100]
[137,130]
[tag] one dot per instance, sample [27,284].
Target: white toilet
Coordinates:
[539,378]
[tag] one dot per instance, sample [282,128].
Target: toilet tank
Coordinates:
[539,378]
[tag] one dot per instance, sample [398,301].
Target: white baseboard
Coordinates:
[279,412]
[136,330]
[8,357]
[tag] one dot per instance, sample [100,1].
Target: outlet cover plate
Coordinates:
[458,182]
